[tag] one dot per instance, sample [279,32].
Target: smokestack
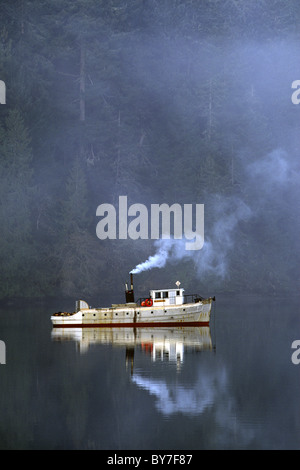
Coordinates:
[129,294]
[131,281]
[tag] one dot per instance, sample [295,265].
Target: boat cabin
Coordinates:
[167,297]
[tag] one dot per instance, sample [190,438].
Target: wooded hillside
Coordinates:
[164,101]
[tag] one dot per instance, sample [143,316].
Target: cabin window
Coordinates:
[178,292]
[158,295]
[165,295]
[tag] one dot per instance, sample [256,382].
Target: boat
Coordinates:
[162,307]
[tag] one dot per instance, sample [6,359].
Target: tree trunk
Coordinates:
[82,82]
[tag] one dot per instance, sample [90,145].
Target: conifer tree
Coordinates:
[76,252]
[16,196]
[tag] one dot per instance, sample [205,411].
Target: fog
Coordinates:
[175,104]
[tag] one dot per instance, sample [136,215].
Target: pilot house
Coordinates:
[167,297]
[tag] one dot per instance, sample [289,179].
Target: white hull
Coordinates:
[134,315]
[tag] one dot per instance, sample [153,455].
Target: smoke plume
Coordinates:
[166,250]
[270,178]
[212,258]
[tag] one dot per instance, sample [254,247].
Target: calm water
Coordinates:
[232,386]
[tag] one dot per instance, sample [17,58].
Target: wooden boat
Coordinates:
[161,308]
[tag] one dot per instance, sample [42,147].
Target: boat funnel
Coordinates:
[129,294]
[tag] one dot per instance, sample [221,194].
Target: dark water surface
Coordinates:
[230,386]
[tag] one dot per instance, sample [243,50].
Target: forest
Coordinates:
[162,101]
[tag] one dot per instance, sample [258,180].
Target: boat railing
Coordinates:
[192,298]
[187,299]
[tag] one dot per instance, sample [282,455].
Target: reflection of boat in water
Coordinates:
[158,342]
[165,347]
[162,307]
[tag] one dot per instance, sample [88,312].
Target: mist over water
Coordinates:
[183,103]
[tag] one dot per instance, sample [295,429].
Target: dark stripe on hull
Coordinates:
[132,325]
